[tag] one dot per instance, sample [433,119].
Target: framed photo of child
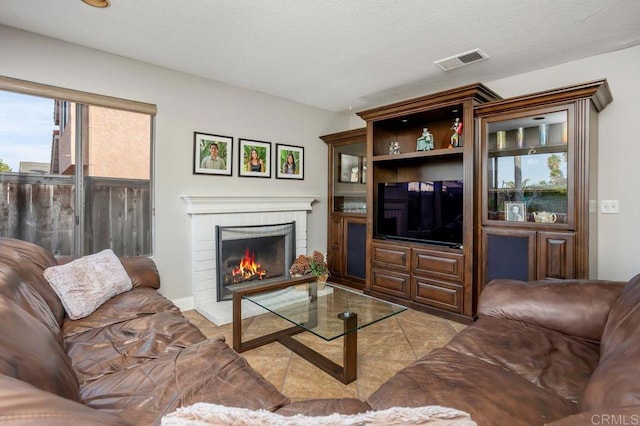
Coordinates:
[212,154]
[515,211]
[254,158]
[289,162]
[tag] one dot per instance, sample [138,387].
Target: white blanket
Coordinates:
[205,414]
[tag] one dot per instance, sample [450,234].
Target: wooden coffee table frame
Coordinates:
[346,373]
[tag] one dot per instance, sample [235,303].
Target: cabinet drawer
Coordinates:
[438,264]
[390,257]
[391,283]
[440,294]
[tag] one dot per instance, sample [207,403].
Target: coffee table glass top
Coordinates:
[323,315]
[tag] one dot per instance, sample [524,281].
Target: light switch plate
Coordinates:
[609,206]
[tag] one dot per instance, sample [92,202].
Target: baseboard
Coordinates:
[184,303]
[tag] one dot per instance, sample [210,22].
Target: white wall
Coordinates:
[618,148]
[185,104]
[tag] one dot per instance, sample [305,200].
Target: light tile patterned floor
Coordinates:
[383,349]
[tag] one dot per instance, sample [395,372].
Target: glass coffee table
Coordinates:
[329,314]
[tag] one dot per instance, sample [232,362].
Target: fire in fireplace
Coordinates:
[247,255]
[247,270]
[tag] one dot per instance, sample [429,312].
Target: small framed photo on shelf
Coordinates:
[254,158]
[349,168]
[363,169]
[289,162]
[212,154]
[515,211]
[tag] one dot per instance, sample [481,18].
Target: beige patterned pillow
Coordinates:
[86,283]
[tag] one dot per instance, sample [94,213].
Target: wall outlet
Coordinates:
[609,206]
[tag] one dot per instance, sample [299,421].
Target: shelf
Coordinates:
[418,155]
[540,149]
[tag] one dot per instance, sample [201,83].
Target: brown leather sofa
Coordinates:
[559,352]
[133,360]
[539,352]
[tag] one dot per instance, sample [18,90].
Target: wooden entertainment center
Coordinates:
[535,155]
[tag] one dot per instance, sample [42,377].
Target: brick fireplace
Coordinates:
[209,212]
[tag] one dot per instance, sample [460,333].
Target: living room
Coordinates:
[188,103]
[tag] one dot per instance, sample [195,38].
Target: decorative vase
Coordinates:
[322,281]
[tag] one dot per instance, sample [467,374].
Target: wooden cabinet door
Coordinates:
[335,254]
[354,248]
[556,252]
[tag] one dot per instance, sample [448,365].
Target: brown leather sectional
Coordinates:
[564,352]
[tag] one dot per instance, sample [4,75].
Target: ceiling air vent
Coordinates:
[461,59]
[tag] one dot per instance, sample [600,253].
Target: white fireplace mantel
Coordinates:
[208,204]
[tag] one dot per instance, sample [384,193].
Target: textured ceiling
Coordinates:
[338,55]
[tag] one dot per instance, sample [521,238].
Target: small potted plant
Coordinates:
[311,265]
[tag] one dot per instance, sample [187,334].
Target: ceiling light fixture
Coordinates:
[97,3]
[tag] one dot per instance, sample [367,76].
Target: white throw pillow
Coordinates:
[86,283]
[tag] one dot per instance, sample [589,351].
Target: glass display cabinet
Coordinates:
[538,171]
[347,227]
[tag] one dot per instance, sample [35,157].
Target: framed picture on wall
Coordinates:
[289,162]
[212,154]
[254,158]
[349,168]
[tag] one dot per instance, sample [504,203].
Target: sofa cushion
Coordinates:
[490,394]
[26,405]
[116,337]
[551,360]
[577,308]
[86,283]
[14,288]
[29,260]
[616,380]
[207,371]
[32,354]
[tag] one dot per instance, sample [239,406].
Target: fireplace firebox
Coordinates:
[247,255]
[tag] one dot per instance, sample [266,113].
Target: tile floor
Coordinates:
[383,349]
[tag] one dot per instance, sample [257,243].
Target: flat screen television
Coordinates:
[424,211]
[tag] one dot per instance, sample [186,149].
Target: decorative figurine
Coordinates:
[425,141]
[394,147]
[457,133]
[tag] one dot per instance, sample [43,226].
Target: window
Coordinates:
[75,170]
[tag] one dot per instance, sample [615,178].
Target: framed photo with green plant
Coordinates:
[212,154]
[254,158]
[289,162]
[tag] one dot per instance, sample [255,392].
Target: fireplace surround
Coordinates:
[207,212]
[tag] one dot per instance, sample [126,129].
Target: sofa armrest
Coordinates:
[142,271]
[574,307]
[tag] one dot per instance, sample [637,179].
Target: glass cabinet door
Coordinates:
[350,178]
[528,168]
